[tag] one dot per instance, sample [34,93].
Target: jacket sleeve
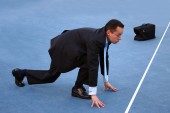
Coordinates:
[93,62]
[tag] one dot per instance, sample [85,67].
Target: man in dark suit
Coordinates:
[83,48]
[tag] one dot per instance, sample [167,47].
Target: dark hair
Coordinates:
[113,24]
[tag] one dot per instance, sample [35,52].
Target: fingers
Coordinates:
[92,104]
[110,88]
[98,104]
[105,88]
[113,89]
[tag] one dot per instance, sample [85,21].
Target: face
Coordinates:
[115,36]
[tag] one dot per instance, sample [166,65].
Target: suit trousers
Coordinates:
[42,76]
[83,75]
[51,75]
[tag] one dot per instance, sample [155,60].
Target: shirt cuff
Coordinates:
[106,78]
[92,90]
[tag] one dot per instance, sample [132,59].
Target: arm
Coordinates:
[93,64]
[104,63]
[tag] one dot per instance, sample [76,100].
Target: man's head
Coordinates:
[114,30]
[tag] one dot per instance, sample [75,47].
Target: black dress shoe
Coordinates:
[80,93]
[17,73]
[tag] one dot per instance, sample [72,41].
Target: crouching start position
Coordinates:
[84,48]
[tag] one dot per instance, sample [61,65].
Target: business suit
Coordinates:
[71,49]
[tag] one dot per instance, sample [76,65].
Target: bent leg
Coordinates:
[42,76]
[82,77]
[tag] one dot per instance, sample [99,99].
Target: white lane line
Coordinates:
[143,77]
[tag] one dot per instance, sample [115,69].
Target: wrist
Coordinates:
[93,96]
[106,82]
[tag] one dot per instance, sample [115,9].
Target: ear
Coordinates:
[108,32]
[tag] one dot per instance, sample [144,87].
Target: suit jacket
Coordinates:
[74,47]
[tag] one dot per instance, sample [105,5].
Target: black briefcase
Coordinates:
[144,32]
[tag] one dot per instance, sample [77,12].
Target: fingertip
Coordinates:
[114,90]
[98,106]
[91,105]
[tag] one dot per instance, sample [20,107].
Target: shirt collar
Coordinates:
[107,41]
